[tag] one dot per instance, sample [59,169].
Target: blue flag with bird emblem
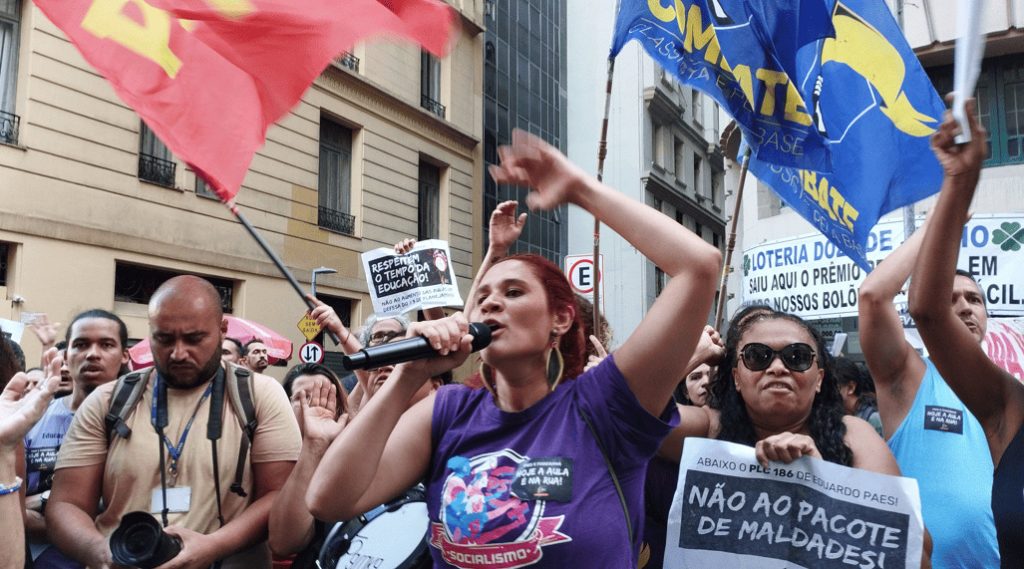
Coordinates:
[867,99]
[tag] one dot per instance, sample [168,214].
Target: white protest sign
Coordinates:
[1004,344]
[729,511]
[422,278]
[808,276]
[14,330]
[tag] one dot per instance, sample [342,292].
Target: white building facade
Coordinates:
[662,150]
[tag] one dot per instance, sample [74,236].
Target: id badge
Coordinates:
[179,499]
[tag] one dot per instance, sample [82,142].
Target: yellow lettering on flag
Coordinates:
[232,9]
[663,13]
[697,36]
[152,39]
[830,199]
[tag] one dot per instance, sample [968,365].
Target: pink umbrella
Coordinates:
[278,347]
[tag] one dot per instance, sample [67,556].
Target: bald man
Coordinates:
[134,473]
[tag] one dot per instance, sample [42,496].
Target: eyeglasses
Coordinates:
[379,338]
[796,357]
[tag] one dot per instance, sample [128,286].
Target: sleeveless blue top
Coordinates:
[943,446]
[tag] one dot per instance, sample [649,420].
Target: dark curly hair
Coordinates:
[826,420]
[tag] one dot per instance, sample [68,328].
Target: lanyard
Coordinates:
[172,449]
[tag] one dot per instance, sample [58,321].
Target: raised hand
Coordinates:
[961,160]
[505,227]
[44,330]
[593,360]
[530,161]
[21,408]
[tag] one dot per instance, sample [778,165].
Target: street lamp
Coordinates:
[319,271]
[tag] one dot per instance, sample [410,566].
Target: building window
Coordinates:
[1000,95]
[660,280]
[699,230]
[335,183]
[697,106]
[680,159]
[204,189]
[430,84]
[137,283]
[696,176]
[5,251]
[348,60]
[156,163]
[429,201]
[9,34]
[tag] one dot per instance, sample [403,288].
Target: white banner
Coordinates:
[808,276]
[1004,344]
[422,278]
[729,511]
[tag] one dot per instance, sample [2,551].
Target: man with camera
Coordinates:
[174,442]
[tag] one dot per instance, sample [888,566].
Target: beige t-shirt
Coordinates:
[132,466]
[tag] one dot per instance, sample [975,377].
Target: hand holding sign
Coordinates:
[785,448]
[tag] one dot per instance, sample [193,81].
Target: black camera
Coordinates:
[139,541]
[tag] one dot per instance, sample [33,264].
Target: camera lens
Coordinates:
[139,541]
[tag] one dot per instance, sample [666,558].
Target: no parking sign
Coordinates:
[579,269]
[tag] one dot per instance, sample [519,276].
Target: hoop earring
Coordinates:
[556,367]
[485,378]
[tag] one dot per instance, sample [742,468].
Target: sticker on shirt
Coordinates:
[41,459]
[943,419]
[544,479]
[484,524]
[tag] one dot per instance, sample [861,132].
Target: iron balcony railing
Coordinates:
[334,220]
[156,170]
[432,105]
[349,60]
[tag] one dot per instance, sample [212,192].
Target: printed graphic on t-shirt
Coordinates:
[943,419]
[483,523]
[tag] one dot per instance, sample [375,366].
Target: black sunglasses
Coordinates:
[796,357]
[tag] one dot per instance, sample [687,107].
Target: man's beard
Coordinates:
[205,374]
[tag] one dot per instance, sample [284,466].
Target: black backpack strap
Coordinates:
[240,392]
[126,395]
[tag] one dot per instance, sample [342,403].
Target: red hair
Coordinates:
[560,297]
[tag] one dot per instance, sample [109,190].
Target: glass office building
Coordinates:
[524,87]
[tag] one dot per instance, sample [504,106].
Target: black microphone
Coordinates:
[407,350]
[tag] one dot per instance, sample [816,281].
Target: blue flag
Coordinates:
[860,147]
[878,108]
[723,55]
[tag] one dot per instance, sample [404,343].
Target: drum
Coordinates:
[392,536]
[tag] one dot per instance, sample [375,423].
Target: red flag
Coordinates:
[210,76]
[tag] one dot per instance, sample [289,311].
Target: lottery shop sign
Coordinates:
[809,276]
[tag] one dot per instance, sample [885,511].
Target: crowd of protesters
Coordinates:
[234,466]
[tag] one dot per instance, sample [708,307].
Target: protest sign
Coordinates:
[422,278]
[729,511]
[1004,344]
[811,277]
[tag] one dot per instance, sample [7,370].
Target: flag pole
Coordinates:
[233,208]
[727,266]
[602,152]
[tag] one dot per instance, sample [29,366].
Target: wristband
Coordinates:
[12,487]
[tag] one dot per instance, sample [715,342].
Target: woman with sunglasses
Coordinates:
[545,467]
[775,390]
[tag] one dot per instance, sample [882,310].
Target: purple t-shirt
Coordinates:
[511,490]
